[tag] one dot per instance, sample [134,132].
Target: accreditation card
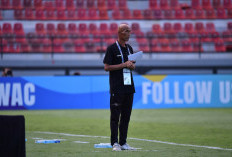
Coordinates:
[127,76]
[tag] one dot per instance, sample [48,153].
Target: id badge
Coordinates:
[127,77]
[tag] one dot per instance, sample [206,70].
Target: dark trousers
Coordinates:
[120,111]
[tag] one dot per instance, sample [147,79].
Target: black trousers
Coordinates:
[120,112]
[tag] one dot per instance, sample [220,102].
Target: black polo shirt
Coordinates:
[113,57]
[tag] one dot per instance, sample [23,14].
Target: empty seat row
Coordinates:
[63,4]
[79,47]
[94,14]
[197,4]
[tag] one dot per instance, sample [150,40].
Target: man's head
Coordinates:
[124,32]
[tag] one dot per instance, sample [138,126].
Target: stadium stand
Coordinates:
[89,26]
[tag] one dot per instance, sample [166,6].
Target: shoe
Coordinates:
[116,147]
[127,147]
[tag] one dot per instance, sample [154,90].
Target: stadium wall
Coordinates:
[92,92]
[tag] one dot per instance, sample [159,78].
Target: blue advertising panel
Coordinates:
[92,92]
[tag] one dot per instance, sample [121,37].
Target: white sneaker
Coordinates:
[116,147]
[127,147]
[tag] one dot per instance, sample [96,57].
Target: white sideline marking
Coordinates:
[137,139]
[80,142]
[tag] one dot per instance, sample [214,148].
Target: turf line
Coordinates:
[137,139]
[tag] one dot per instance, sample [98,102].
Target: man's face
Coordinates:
[124,34]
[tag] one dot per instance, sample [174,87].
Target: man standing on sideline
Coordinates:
[121,87]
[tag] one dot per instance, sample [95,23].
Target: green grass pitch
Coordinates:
[166,133]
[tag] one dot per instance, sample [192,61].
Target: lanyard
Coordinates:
[121,51]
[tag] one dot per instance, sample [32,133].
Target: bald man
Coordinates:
[121,87]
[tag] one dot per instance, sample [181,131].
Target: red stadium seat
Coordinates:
[229,13]
[90,47]
[25,48]
[92,14]
[197,47]
[179,14]
[62,33]
[168,28]
[229,26]
[39,29]
[188,27]
[137,14]
[165,47]
[153,4]
[140,38]
[59,5]
[7,32]
[5,4]
[47,46]
[61,15]
[39,15]
[17,4]
[227,36]
[111,5]
[193,37]
[122,4]
[81,14]
[71,15]
[48,5]
[91,4]
[116,14]
[19,33]
[156,29]
[154,46]
[227,4]
[29,14]
[189,14]
[164,4]
[72,28]
[51,30]
[157,14]
[221,14]
[80,4]
[174,4]
[135,28]
[69,5]
[51,15]
[104,29]
[103,15]
[217,4]
[186,46]
[175,46]
[79,47]
[168,14]
[93,28]
[219,46]
[200,14]
[27,3]
[83,32]
[113,29]
[215,36]
[204,37]
[147,14]
[210,14]
[206,4]
[210,27]
[196,4]
[101,4]
[18,14]
[199,27]
[126,14]
[144,46]
[177,28]
[58,46]
[38,4]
